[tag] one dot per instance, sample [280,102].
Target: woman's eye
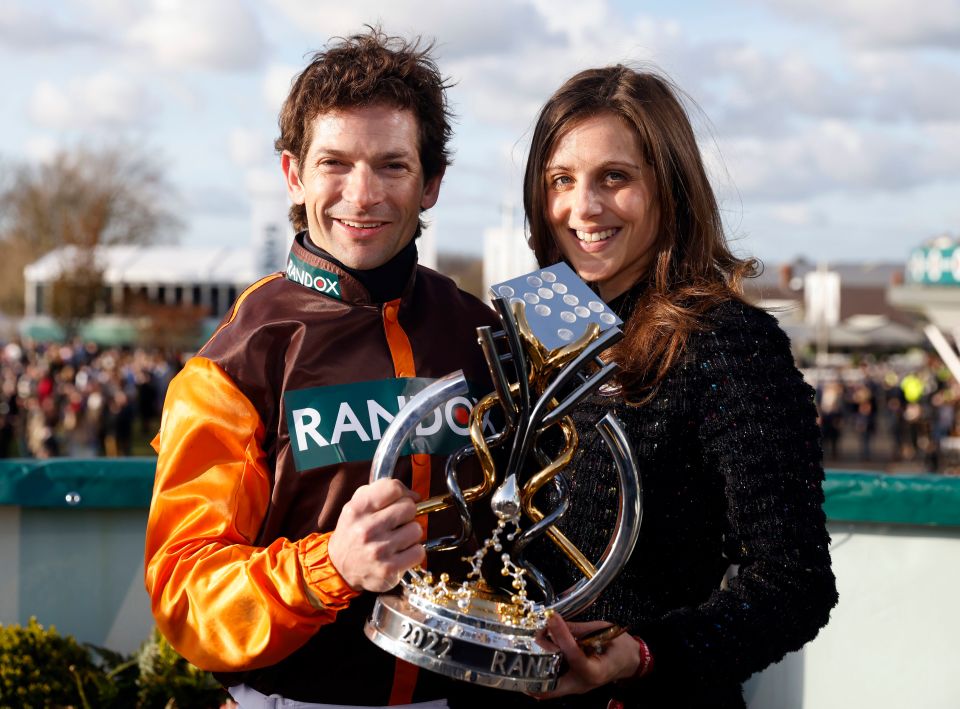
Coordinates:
[560,181]
[615,176]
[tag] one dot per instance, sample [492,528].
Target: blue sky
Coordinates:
[831,127]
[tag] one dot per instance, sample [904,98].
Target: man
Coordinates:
[265,546]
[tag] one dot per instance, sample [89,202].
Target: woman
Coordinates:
[723,425]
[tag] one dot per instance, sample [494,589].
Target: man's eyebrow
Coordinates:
[396,155]
[388,155]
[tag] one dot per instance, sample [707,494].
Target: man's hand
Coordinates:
[376,538]
[620,659]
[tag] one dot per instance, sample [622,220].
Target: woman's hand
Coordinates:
[619,660]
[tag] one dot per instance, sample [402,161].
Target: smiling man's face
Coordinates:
[362,183]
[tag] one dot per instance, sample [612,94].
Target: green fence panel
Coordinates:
[88,483]
[895,499]
[126,483]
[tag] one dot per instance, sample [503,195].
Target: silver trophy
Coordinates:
[543,362]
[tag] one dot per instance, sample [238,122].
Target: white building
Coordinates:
[506,254]
[204,276]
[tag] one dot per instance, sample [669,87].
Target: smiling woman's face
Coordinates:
[601,203]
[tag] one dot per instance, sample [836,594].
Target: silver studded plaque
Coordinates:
[558,305]
[544,360]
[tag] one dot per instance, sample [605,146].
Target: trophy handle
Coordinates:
[388,452]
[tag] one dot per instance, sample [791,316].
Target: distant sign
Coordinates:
[821,293]
[932,265]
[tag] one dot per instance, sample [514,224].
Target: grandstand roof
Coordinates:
[157,264]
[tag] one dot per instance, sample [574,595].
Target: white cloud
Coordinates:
[49,105]
[797,214]
[574,18]
[747,91]
[758,93]
[111,13]
[833,156]
[216,200]
[943,158]
[494,90]
[276,85]
[252,152]
[461,29]
[931,23]
[828,117]
[506,56]
[212,34]
[250,148]
[101,101]
[31,30]
[264,181]
[901,87]
[41,149]
[792,122]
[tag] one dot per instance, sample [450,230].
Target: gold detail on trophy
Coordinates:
[542,478]
[520,611]
[443,502]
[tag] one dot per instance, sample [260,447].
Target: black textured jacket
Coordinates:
[730,460]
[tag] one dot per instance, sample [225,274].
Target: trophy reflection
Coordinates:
[544,360]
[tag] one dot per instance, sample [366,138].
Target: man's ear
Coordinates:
[431,190]
[291,173]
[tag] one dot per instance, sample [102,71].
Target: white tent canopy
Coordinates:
[161,265]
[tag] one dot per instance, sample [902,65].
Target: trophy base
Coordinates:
[474,647]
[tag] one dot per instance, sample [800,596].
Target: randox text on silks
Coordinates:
[345,422]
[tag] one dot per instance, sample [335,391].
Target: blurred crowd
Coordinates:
[889,412]
[83,401]
[79,400]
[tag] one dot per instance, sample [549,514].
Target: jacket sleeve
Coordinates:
[223,603]
[758,429]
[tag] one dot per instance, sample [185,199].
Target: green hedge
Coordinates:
[41,668]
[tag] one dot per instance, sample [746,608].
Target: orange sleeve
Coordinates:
[223,603]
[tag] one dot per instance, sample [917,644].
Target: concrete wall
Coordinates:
[892,641]
[79,570]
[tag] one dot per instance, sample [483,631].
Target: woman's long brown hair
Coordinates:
[692,269]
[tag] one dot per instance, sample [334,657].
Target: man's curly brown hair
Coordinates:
[365,70]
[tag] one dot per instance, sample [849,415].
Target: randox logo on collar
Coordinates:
[313,277]
[344,423]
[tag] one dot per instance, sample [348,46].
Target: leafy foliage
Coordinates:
[40,668]
[166,677]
